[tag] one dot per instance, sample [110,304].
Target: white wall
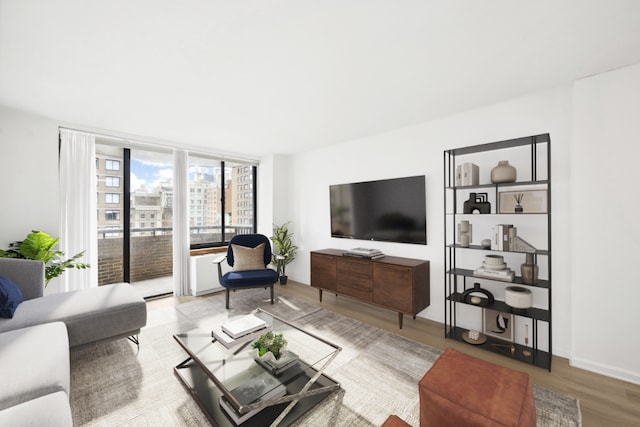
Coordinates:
[419,150]
[605,224]
[29,197]
[29,171]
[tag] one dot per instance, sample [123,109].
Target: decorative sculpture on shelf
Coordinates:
[518,207]
[477,202]
[467,297]
[465,233]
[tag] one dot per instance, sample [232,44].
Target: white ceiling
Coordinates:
[255,77]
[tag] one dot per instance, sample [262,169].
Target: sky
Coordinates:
[149,174]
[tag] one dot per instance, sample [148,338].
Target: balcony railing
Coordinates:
[151,250]
[108,233]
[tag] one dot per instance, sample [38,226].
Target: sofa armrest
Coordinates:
[26,273]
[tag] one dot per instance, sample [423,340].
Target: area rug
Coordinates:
[116,384]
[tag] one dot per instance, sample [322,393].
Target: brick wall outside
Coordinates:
[151,257]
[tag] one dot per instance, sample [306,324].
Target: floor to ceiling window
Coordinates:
[135,211]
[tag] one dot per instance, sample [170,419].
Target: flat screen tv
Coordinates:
[390,210]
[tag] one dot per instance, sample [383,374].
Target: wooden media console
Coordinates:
[394,283]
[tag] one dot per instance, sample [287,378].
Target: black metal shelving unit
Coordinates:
[459,277]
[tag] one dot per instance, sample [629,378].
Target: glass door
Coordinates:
[135,195]
[151,221]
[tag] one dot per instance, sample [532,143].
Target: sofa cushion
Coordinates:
[35,362]
[28,274]
[252,279]
[91,315]
[246,258]
[51,410]
[10,297]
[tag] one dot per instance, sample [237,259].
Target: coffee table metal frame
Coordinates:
[211,356]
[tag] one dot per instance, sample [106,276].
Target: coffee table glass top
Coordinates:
[248,384]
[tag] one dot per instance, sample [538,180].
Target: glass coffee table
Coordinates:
[230,385]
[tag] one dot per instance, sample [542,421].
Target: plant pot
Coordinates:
[283,280]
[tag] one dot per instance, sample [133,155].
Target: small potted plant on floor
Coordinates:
[286,250]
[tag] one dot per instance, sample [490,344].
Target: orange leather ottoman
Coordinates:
[395,421]
[460,390]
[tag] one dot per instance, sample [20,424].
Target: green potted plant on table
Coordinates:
[286,250]
[39,245]
[270,342]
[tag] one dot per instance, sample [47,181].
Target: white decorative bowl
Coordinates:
[518,297]
[493,259]
[494,267]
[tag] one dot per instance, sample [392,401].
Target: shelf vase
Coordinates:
[529,271]
[503,172]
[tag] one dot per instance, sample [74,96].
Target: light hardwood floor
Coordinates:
[604,401]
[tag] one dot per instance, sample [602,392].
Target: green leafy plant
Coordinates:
[39,245]
[286,249]
[270,342]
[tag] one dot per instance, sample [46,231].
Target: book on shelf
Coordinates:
[251,389]
[513,235]
[503,236]
[243,325]
[223,338]
[470,174]
[506,275]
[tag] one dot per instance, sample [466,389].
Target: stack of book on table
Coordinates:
[240,330]
[257,389]
[364,253]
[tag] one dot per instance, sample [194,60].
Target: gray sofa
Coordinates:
[35,343]
[91,315]
[34,365]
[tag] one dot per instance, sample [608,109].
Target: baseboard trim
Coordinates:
[607,370]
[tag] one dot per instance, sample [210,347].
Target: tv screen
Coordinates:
[390,210]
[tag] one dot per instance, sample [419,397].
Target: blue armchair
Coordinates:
[248,255]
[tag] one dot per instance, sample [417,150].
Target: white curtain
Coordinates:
[180,223]
[78,207]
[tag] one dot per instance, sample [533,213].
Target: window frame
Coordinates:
[223,196]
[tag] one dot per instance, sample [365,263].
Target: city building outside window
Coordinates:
[112,215]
